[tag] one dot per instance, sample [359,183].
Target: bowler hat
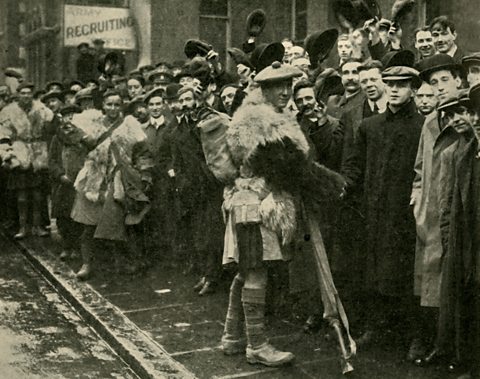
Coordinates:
[256,21]
[194,47]
[171,92]
[277,72]
[319,44]
[154,92]
[398,58]
[435,63]
[239,57]
[54,83]
[473,58]
[52,95]
[265,54]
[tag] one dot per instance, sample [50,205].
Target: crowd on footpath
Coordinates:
[361,176]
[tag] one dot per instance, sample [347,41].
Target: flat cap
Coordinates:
[395,73]
[84,93]
[398,58]
[277,72]
[473,58]
[462,99]
[54,83]
[435,63]
[154,92]
[70,108]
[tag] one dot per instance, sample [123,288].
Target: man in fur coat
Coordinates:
[111,188]
[24,123]
[271,174]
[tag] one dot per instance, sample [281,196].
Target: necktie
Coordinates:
[375,108]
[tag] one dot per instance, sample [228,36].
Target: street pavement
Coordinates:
[41,336]
[163,305]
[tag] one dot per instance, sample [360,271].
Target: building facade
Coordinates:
[32,32]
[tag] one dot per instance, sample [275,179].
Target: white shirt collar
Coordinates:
[157,122]
[381,104]
[453,50]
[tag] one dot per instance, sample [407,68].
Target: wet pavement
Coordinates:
[163,305]
[41,336]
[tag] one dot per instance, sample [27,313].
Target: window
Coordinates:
[299,19]
[215,25]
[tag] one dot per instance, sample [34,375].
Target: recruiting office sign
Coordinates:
[114,25]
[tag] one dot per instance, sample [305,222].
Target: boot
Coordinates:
[233,338]
[86,270]
[22,217]
[22,233]
[258,349]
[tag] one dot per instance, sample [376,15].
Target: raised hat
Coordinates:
[154,92]
[256,21]
[319,44]
[194,47]
[398,58]
[356,12]
[277,72]
[470,59]
[51,95]
[239,57]
[171,92]
[435,63]
[265,54]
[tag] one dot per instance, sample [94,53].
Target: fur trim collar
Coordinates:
[257,123]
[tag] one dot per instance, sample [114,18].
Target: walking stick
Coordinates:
[333,307]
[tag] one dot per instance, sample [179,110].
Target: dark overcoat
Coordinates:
[383,162]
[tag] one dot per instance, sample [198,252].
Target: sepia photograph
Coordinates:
[238,189]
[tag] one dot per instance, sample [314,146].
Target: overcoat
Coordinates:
[383,162]
[460,216]
[424,198]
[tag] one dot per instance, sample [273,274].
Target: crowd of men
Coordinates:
[190,163]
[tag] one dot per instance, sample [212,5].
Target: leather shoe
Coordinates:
[40,231]
[267,355]
[208,287]
[197,287]
[22,233]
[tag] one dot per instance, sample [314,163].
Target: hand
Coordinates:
[212,56]
[395,36]
[371,25]
[321,116]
